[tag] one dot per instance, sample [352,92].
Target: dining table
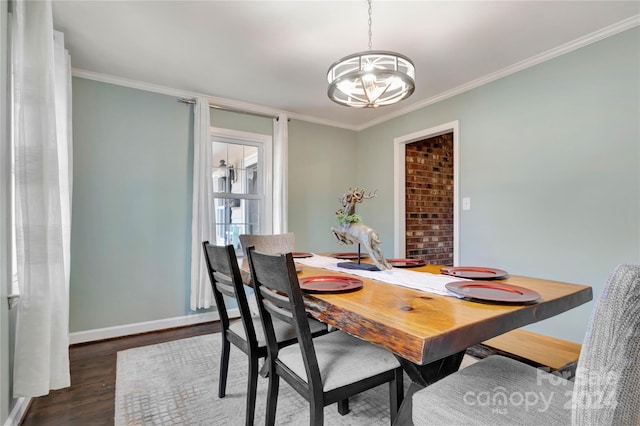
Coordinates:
[429,333]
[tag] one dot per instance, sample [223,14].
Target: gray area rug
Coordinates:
[176,383]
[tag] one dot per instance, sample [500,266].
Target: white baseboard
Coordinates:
[145,327]
[19,410]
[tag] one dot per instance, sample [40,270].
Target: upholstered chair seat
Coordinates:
[342,359]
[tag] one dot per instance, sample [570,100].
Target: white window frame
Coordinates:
[264,143]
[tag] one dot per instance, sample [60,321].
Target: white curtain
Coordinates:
[203,217]
[41,135]
[280,173]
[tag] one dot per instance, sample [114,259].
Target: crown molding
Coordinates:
[323,122]
[609,31]
[169,91]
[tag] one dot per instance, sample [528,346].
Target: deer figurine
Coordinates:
[352,231]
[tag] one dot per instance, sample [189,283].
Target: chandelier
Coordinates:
[372,78]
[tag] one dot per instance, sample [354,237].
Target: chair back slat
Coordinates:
[223,278]
[277,298]
[607,384]
[225,289]
[224,284]
[274,309]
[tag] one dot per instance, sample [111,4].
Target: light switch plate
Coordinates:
[466,203]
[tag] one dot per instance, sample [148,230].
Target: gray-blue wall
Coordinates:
[322,166]
[131,231]
[550,157]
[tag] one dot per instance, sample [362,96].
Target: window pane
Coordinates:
[235,217]
[243,181]
[219,152]
[251,216]
[238,184]
[251,171]
[235,168]
[235,155]
[222,179]
[250,155]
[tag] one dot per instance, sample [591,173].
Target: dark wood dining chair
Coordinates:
[502,391]
[326,369]
[247,332]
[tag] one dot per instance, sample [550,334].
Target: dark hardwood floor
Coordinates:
[91,398]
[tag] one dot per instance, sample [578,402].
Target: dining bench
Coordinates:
[557,355]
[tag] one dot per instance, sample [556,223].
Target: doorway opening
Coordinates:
[426,171]
[429,200]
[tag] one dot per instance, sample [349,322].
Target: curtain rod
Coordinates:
[223,108]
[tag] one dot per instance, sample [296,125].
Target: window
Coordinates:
[241,173]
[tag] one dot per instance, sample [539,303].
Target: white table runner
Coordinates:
[425,281]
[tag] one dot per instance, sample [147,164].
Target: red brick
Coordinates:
[429,202]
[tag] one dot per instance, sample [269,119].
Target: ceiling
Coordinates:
[276,54]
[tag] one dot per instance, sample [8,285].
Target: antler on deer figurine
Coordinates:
[352,231]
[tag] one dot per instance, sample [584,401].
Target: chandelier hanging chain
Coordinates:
[369,1]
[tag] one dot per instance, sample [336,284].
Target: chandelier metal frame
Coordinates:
[371,78]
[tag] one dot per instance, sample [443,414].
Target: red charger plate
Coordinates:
[494,291]
[475,272]
[300,255]
[406,263]
[329,284]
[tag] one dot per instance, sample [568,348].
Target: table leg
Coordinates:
[424,375]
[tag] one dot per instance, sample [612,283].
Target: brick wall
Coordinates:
[429,199]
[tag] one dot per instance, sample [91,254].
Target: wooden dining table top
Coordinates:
[422,327]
